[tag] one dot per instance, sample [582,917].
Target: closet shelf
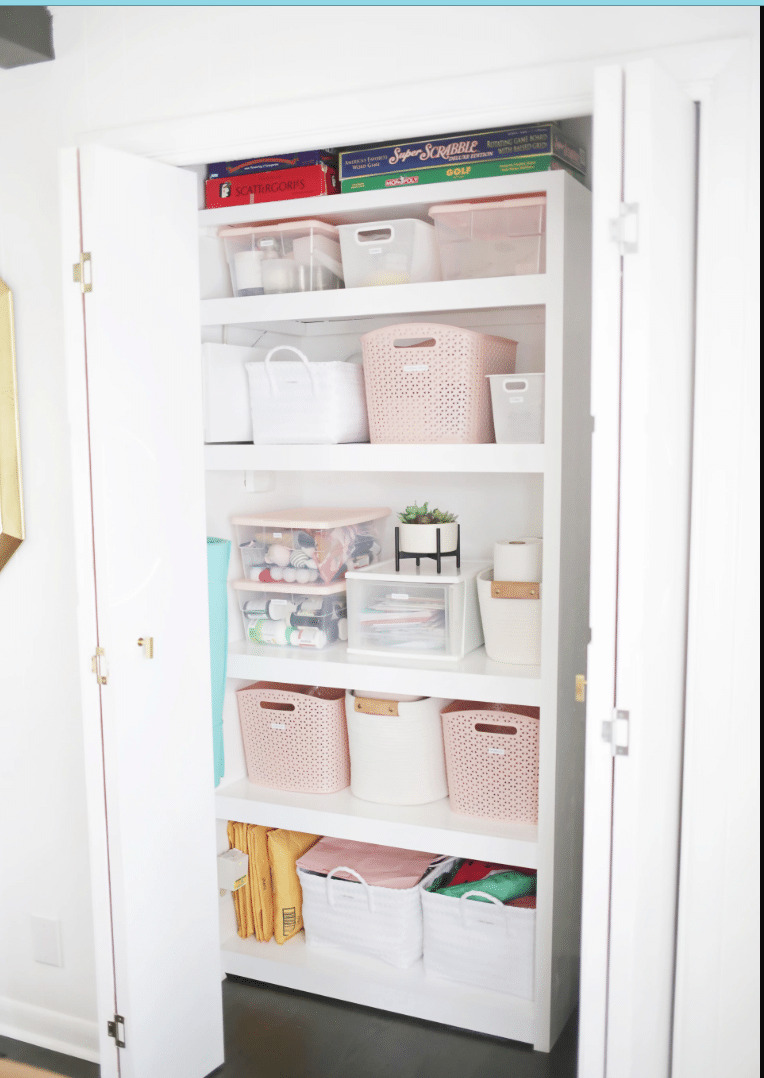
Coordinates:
[475,677]
[354,457]
[371,983]
[434,827]
[296,308]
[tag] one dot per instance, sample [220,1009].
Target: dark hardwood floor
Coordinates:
[275,1033]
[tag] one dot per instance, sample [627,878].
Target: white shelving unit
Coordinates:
[529,486]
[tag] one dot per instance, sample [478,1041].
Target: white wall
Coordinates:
[121,66]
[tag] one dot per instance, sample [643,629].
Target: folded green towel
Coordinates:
[503,885]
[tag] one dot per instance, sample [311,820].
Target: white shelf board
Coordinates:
[434,827]
[488,293]
[475,677]
[373,983]
[388,204]
[355,457]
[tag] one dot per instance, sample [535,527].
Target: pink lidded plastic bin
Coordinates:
[497,238]
[492,760]
[287,256]
[309,548]
[426,382]
[295,737]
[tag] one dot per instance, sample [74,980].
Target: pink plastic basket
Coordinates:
[492,760]
[426,382]
[295,737]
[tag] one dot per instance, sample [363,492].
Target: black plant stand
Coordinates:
[437,556]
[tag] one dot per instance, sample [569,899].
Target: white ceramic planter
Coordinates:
[422,538]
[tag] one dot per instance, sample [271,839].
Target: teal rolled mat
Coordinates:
[218,556]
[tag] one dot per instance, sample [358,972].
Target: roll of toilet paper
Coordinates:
[518,559]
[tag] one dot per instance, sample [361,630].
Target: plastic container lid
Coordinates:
[320,518]
[517,200]
[290,589]
[321,227]
[426,573]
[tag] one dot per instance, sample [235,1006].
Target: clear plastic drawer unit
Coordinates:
[417,613]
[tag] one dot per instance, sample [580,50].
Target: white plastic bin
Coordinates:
[396,749]
[288,256]
[282,615]
[485,944]
[517,402]
[389,252]
[308,546]
[512,627]
[416,612]
[500,238]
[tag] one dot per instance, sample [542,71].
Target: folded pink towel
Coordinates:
[382,866]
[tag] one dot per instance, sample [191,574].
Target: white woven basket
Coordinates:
[511,627]
[396,750]
[299,402]
[377,921]
[485,944]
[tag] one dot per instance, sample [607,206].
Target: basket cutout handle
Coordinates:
[489,728]
[515,589]
[374,235]
[276,705]
[414,342]
[376,707]
[515,385]
[300,355]
[358,876]
[476,916]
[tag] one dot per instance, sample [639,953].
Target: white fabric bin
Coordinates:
[512,627]
[304,403]
[485,944]
[517,402]
[227,412]
[396,749]
[377,921]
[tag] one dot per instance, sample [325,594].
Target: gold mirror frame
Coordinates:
[11,503]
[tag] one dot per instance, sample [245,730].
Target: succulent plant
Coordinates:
[422,514]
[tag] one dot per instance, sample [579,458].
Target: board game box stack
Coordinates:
[509,150]
[271,179]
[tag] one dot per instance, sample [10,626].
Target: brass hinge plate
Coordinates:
[98,666]
[82,272]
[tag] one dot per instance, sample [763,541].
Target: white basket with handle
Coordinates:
[299,402]
[353,916]
[485,944]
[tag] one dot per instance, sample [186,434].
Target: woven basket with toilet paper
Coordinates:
[510,602]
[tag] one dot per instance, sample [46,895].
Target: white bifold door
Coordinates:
[642,374]
[132,321]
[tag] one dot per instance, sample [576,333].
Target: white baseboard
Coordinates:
[49,1029]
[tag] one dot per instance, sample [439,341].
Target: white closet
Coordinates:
[499,491]
[139,467]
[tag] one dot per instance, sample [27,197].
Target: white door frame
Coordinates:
[563,90]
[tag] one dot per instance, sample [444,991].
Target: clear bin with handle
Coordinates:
[287,256]
[389,252]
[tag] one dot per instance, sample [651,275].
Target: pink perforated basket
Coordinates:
[295,737]
[426,382]
[492,760]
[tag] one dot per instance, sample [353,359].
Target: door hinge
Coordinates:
[116,1029]
[616,732]
[82,276]
[98,666]
[624,229]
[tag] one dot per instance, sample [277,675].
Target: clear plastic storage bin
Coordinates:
[282,615]
[416,613]
[518,408]
[500,238]
[389,252]
[308,547]
[289,256]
